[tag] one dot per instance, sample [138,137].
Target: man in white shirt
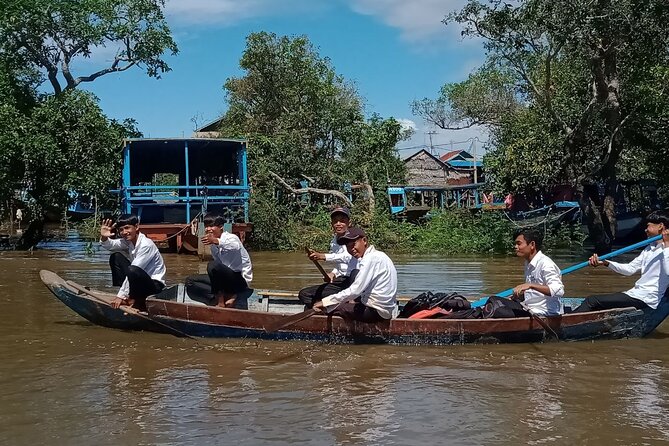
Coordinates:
[345,264]
[228,273]
[653,262]
[542,290]
[136,264]
[372,295]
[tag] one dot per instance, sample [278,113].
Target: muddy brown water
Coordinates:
[64,381]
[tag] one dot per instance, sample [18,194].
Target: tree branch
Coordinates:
[112,69]
[305,190]
[609,149]
[540,97]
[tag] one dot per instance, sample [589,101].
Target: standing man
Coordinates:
[653,262]
[543,289]
[345,264]
[372,295]
[230,270]
[136,264]
[19,217]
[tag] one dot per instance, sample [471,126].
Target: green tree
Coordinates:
[52,34]
[51,144]
[303,121]
[590,80]
[66,143]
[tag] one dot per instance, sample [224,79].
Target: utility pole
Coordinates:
[475,167]
[431,132]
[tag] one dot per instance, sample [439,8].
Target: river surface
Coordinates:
[64,381]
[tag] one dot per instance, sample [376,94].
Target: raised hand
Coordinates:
[209,239]
[106,228]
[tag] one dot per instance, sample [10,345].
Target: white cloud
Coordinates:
[229,12]
[417,20]
[407,124]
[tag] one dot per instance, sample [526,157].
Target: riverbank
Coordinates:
[451,232]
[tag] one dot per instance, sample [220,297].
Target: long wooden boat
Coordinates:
[95,306]
[267,309]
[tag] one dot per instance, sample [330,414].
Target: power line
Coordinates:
[441,145]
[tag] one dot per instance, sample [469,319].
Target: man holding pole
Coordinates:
[653,262]
[340,276]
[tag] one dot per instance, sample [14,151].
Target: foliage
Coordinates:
[51,34]
[51,144]
[303,121]
[589,79]
[461,231]
[448,232]
[484,99]
[67,144]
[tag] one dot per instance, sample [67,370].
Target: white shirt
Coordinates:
[143,254]
[375,283]
[339,254]
[543,271]
[231,252]
[653,262]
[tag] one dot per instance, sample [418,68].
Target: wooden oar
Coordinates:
[126,309]
[290,320]
[540,321]
[326,277]
[295,318]
[571,269]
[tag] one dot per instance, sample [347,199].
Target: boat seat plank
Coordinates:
[291,295]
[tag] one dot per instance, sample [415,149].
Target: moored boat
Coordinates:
[267,309]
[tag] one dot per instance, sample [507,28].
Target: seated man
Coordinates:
[372,295]
[653,262]
[542,291]
[230,270]
[136,265]
[345,264]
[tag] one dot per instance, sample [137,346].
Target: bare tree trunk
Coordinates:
[591,202]
[304,190]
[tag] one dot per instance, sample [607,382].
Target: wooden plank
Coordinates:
[293,295]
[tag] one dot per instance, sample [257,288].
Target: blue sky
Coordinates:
[393,50]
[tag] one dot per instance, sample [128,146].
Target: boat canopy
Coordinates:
[171,180]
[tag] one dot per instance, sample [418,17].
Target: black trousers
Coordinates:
[312,294]
[608,301]
[219,279]
[141,284]
[357,311]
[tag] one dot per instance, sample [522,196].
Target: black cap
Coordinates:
[351,235]
[340,210]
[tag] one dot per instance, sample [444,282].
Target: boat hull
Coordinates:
[211,322]
[98,310]
[197,320]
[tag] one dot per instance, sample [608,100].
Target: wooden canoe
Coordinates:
[267,308]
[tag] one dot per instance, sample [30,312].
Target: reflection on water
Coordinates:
[64,381]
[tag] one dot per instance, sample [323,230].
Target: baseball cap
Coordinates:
[350,235]
[340,210]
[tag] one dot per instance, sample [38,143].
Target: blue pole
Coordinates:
[571,269]
[126,179]
[244,181]
[187,183]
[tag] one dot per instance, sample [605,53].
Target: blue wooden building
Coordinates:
[170,182]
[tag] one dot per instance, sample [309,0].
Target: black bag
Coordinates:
[428,301]
[498,308]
